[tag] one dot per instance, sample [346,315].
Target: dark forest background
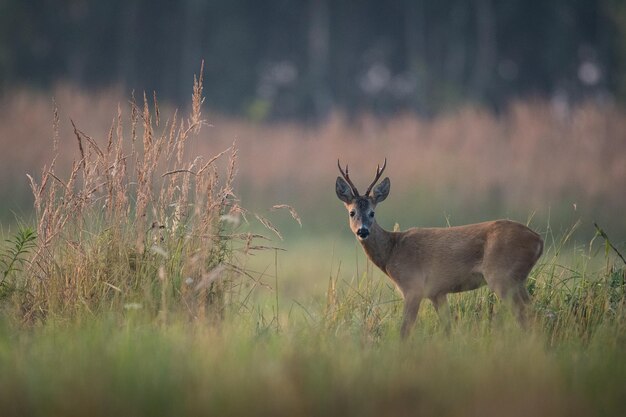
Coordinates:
[280,59]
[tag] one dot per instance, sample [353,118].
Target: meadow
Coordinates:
[177,263]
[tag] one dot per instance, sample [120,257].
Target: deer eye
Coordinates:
[371,214]
[352,213]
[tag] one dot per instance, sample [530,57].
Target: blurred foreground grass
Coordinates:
[124,363]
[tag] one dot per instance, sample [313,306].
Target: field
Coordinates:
[162,263]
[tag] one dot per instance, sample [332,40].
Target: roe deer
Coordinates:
[433,262]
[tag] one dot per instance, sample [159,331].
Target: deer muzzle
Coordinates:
[363,232]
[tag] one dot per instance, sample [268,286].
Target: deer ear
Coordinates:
[381,191]
[343,190]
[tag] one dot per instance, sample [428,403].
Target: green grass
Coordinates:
[127,364]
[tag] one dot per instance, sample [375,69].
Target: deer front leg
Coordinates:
[443,310]
[411,307]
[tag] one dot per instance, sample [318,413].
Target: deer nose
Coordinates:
[363,232]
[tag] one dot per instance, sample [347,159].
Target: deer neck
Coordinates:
[378,246]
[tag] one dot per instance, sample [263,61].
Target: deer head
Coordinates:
[361,207]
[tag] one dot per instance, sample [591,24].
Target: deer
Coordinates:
[430,263]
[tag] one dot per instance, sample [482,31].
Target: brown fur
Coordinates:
[433,262]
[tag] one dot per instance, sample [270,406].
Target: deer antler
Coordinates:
[379,172]
[347,178]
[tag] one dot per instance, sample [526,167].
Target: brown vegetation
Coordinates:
[135,217]
[528,159]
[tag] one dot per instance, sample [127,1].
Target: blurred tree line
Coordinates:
[303,58]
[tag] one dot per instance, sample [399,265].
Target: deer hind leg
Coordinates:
[508,281]
[520,299]
[515,293]
[411,307]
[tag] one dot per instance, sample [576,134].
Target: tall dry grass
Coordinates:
[138,220]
